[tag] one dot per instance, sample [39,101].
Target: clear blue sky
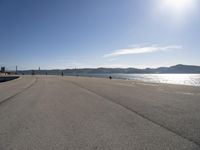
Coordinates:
[99,33]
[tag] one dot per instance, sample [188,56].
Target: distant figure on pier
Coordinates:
[110,77]
[46,73]
[33,72]
[62,74]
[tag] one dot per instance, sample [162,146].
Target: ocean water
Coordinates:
[182,79]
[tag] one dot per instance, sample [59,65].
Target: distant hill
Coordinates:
[173,69]
[177,69]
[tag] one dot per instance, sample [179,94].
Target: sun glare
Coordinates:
[179,7]
[177,10]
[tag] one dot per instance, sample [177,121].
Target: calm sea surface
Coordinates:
[183,79]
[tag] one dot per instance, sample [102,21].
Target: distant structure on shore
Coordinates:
[3,71]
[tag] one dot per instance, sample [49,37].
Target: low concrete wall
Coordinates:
[7,78]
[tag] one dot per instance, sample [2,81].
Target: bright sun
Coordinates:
[177,9]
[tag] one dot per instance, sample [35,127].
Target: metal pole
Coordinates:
[16,70]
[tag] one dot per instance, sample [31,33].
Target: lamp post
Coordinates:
[16,70]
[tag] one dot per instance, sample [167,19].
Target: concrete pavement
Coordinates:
[60,113]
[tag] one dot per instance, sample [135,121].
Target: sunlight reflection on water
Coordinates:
[185,79]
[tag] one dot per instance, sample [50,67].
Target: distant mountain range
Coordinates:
[161,70]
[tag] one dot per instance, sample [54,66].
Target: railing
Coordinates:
[7,78]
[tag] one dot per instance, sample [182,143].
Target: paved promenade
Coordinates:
[79,113]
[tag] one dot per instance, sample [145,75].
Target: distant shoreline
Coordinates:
[177,69]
